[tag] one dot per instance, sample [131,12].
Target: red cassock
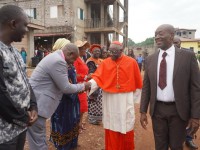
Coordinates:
[120,76]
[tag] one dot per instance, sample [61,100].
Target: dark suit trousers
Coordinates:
[15,144]
[169,129]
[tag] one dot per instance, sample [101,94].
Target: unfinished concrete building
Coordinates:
[97,21]
[185,33]
[59,17]
[106,20]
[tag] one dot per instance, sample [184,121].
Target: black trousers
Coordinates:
[15,144]
[169,129]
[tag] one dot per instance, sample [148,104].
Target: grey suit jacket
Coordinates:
[186,84]
[49,81]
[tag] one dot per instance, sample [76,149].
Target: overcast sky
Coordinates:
[146,15]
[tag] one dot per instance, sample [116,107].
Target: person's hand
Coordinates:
[33,115]
[143,120]
[193,126]
[87,86]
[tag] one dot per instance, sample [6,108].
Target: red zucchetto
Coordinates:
[117,43]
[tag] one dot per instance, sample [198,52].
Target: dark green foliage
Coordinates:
[148,41]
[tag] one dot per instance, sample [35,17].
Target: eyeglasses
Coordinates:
[113,51]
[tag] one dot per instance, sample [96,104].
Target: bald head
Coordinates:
[164,36]
[177,42]
[169,28]
[71,52]
[70,47]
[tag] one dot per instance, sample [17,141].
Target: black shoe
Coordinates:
[191,144]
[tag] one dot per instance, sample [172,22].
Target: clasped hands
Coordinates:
[87,87]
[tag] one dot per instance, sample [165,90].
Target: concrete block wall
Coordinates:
[43,11]
[38,4]
[65,20]
[53,25]
[78,33]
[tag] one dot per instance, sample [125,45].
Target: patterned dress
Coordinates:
[95,100]
[65,120]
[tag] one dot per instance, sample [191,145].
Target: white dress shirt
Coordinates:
[167,94]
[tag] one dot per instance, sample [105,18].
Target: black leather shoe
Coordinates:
[191,144]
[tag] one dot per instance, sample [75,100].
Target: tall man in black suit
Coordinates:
[172,88]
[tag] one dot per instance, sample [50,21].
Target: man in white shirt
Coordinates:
[172,88]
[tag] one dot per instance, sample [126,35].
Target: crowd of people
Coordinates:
[81,77]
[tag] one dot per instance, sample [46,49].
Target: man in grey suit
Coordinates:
[49,81]
[172,88]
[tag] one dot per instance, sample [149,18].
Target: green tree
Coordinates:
[148,41]
[130,42]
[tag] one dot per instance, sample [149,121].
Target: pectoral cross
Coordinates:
[118,86]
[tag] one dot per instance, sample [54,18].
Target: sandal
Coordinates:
[80,131]
[83,126]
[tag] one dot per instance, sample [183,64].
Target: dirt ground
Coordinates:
[93,137]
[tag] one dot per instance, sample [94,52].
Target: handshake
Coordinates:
[87,87]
